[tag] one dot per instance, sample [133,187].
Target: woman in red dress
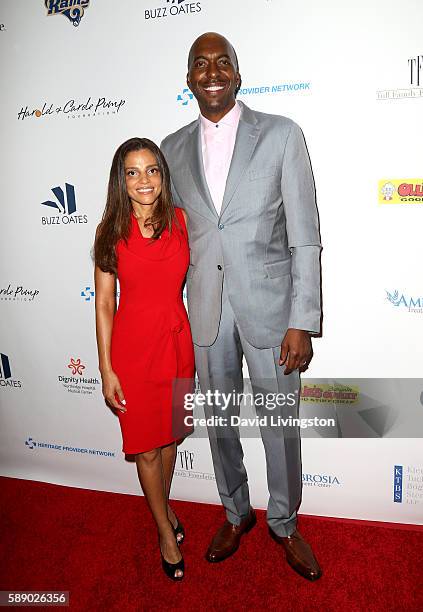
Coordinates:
[145,346]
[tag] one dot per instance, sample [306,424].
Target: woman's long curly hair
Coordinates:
[115,224]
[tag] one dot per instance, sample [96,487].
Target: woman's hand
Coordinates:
[111,388]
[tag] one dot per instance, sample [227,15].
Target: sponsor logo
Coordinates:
[32,444]
[87,294]
[276,88]
[6,379]
[412,304]
[2,27]
[320,480]
[76,381]
[173,8]
[73,109]
[401,191]
[325,393]
[72,9]
[398,484]
[408,484]
[18,293]
[185,97]
[185,467]
[415,79]
[65,205]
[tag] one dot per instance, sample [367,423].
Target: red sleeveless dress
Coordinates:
[151,339]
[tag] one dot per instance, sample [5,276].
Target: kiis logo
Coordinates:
[65,205]
[401,191]
[178,7]
[72,9]
[6,379]
[411,304]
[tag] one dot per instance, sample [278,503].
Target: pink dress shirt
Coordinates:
[218,142]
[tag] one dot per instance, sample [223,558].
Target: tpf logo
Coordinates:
[72,9]
[416,70]
[186,460]
[65,205]
[5,371]
[185,97]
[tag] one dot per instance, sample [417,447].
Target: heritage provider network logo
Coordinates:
[401,191]
[173,8]
[72,9]
[65,204]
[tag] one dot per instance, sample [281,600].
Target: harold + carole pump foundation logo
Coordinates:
[6,378]
[173,8]
[64,204]
[73,109]
[401,191]
[72,9]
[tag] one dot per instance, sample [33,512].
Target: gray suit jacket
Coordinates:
[265,243]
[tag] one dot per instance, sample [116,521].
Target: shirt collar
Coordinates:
[231,119]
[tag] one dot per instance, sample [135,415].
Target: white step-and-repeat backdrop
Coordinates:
[80,77]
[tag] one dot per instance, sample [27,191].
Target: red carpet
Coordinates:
[103,549]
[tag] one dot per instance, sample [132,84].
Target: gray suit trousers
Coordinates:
[219,367]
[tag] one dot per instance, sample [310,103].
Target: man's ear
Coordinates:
[188,81]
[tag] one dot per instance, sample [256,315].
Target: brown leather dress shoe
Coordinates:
[227,539]
[299,555]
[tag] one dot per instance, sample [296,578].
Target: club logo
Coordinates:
[72,9]
[65,205]
[6,379]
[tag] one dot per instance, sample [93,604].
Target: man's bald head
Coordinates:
[205,38]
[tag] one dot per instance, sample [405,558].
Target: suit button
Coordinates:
[219,267]
[220,226]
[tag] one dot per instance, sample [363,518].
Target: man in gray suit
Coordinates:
[245,181]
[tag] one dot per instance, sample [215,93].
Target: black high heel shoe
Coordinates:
[179,531]
[170,569]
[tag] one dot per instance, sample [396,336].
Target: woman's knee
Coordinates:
[149,457]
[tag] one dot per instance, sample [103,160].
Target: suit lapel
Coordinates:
[245,143]
[195,156]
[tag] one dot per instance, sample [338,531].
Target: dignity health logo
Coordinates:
[173,8]
[401,191]
[402,300]
[72,9]
[65,204]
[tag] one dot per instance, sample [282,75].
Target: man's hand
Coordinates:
[296,351]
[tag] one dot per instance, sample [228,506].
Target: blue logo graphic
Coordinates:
[185,97]
[72,9]
[413,304]
[30,443]
[65,205]
[87,293]
[398,484]
[5,371]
